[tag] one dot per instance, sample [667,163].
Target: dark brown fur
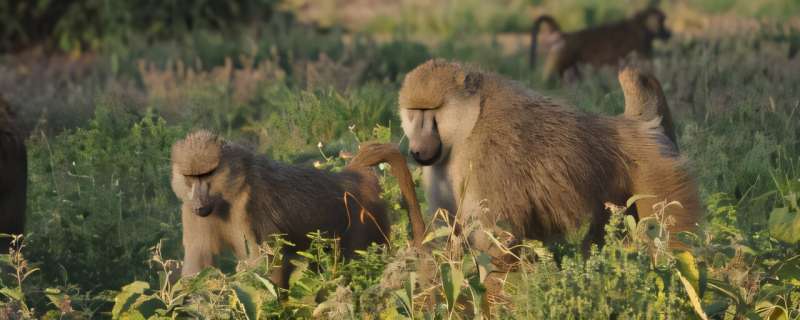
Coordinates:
[246,198]
[545,167]
[13,177]
[600,45]
[645,100]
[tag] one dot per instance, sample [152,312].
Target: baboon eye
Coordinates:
[207,174]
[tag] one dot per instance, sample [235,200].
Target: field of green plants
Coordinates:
[102,100]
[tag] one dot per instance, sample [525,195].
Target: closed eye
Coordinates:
[207,174]
[202,176]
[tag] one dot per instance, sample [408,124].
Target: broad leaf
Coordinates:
[784,225]
[452,278]
[126,297]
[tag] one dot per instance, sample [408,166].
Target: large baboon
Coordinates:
[644,99]
[544,167]
[600,45]
[13,177]
[234,198]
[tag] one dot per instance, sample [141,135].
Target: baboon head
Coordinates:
[652,20]
[199,177]
[439,105]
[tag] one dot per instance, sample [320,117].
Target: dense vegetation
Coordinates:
[105,102]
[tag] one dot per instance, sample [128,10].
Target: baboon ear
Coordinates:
[471,82]
[653,22]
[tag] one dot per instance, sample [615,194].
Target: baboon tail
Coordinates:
[535,35]
[645,99]
[371,154]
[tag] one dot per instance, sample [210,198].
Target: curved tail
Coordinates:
[645,100]
[537,25]
[371,154]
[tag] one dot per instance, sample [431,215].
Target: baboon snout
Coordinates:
[426,151]
[665,34]
[200,201]
[425,145]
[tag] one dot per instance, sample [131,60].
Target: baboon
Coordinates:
[600,45]
[235,199]
[544,167]
[13,177]
[644,99]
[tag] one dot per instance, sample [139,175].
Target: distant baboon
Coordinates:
[600,45]
[644,99]
[544,167]
[13,177]
[234,198]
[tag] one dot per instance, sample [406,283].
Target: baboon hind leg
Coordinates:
[666,179]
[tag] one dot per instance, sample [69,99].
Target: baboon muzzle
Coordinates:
[426,158]
[425,145]
[200,201]
[665,34]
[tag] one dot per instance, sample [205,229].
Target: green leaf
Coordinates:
[248,299]
[784,225]
[15,294]
[435,234]
[478,290]
[770,311]
[404,300]
[267,284]
[126,297]
[725,289]
[148,305]
[637,197]
[788,270]
[630,224]
[485,265]
[409,286]
[688,269]
[452,279]
[56,297]
[694,299]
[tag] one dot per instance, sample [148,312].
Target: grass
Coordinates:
[104,224]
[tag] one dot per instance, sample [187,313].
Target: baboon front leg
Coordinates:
[280,275]
[597,231]
[668,181]
[196,259]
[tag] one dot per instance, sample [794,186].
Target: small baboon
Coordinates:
[543,167]
[13,177]
[644,99]
[600,45]
[235,199]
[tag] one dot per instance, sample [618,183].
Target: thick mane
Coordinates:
[554,156]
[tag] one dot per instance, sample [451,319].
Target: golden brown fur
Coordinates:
[598,46]
[246,198]
[542,166]
[13,177]
[644,99]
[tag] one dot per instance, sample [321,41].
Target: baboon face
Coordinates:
[197,192]
[653,20]
[198,178]
[422,130]
[438,108]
